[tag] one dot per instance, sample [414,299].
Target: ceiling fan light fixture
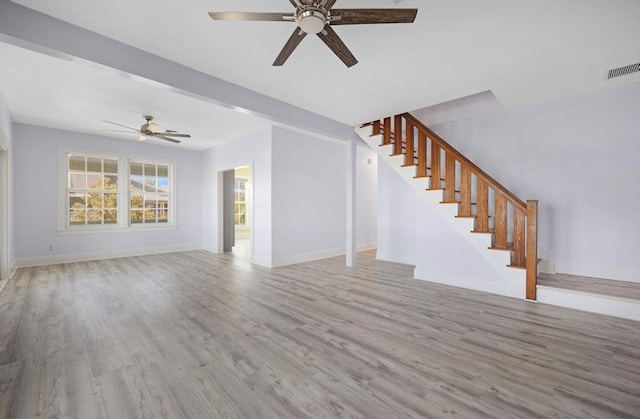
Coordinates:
[312,20]
[142,137]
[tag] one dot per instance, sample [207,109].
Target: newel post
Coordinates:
[532,249]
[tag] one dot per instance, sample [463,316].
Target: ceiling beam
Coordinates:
[36,31]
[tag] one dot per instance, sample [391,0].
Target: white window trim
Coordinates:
[123,224]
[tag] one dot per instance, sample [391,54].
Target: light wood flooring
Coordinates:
[196,335]
[602,286]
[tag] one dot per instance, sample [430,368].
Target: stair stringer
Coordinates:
[513,281]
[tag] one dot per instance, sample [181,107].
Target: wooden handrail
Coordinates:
[438,161]
[460,157]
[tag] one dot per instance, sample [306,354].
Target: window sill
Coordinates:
[116,229]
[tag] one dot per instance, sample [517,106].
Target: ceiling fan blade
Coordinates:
[329,4]
[162,137]
[333,41]
[275,17]
[295,39]
[294,3]
[367,16]
[174,134]
[120,125]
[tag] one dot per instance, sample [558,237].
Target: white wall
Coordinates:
[579,158]
[366,197]
[6,142]
[309,197]
[35,166]
[253,149]
[298,184]
[396,235]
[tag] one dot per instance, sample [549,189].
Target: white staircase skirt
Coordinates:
[512,282]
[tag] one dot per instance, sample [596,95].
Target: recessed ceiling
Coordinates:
[523,51]
[48,91]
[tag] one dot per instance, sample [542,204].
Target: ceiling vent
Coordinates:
[623,71]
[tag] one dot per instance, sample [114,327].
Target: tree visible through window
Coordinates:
[148,192]
[92,190]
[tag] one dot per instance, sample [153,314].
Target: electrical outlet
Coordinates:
[51,248]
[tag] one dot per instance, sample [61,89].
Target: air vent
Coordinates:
[623,71]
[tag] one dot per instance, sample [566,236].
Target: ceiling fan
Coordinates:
[317,17]
[150,129]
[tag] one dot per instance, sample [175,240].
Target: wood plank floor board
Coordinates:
[197,335]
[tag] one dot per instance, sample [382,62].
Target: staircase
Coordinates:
[500,226]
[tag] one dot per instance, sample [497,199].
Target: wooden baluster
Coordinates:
[376,128]
[386,138]
[519,223]
[465,191]
[482,214]
[450,178]
[409,153]
[435,166]
[397,135]
[532,250]
[500,239]
[422,155]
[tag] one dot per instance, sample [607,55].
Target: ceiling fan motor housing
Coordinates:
[149,128]
[311,19]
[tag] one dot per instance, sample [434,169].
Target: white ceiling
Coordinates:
[522,51]
[47,91]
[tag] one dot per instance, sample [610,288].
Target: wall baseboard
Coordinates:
[507,287]
[307,257]
[389,257]
[607,272]
[322,254]
[84,257]
[366,246]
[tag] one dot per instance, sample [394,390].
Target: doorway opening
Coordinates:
[236,216]
[242,214]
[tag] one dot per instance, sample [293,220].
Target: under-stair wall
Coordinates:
[459,251]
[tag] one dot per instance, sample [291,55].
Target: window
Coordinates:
[148,193]
[113,192]
[92,190]
[240,202]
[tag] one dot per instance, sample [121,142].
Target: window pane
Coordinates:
[111,182]
[163,215]
[110,216]
[94,216]
[77,216]
[150,185]
[94,200]
[136,216]
[136,168]
[76,163]
[149,169]
[150,216]
[110,166]
[111,200]
[136,201]
[94,164]
[163,171]
[77,200]
[163,184]
[77,181]
[94,181]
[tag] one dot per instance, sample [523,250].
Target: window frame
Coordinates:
[171,221]
[123,207]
